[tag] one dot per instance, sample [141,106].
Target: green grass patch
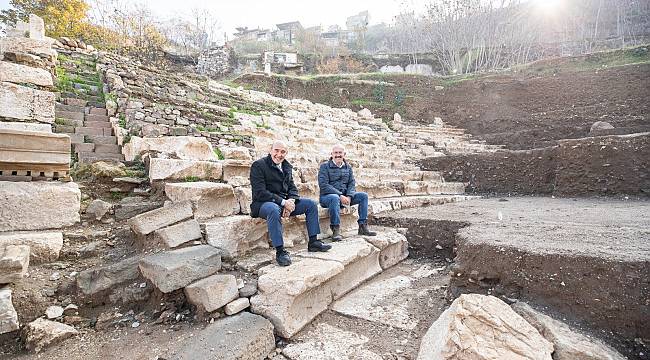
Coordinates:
[218,153]
[364,102]
[122,121]
[191,179]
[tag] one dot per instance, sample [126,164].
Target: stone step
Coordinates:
[76,138]
[69,122]
[97,124]
[89,131]
[93,117]
[102,139]
[63,129]
[83,147]
[70,115]
[176,169]
[75,101]
[377,206]
[91,157]
[153,220]
[98,111]
[291,297]
[69,108]
[107,149]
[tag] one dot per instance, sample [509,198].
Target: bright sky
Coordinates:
[266,13]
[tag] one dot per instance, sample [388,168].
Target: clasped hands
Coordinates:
[288,208]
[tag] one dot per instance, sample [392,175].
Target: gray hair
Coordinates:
[279,143]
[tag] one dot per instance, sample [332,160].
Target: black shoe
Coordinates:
[282,257]
[363,230]
[336,232]
[318,245]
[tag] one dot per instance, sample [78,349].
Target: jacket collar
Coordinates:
[332,164]
[285,164]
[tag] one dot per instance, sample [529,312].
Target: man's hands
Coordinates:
[289,207]
[345,200]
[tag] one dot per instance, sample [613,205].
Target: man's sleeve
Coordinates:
[350,190]
[258,186]
[293,191]
[324,181]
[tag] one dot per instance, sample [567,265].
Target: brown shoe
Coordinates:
[363,230]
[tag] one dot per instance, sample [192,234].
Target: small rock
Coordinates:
[42,333]
[240,283]
[236,306]
[54,312]
[98,208]
[248,290]
[70,309]
[55,276]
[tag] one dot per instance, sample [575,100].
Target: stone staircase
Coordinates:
[81,111]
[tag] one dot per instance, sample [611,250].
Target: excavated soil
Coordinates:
[586,260]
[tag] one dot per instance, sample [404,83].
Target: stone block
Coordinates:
[180,147]
[236,169]
[95,281]
[27,45]
[25,126]
[175,269]
[42,333]
[292,296]
[43,246]
[14,260]
[22,74]
[8,315]
[237,306]
[153,220]
[360,261]
[244,198]
[483,327]
[34,150]
[176,235]
[134,206]
[38,205]
[243,336]
[174,169]
[393,246]
[236,153]
[208,199]
[36,27]
[213,292]
[236,235]
[24,103]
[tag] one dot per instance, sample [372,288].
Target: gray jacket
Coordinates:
[335,180]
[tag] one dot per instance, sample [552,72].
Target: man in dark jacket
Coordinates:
[275,196]
[336,182]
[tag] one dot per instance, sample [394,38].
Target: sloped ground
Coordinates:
[586,260]
[529,108]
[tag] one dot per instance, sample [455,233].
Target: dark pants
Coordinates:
[272,212]
[333,203]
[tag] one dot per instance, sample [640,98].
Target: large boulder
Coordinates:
[243,336]
[38,205]
[482,327]
[175,147]
[8,315]
[42,333]
[569,344]
[43,246]
[175,269]
[175,169]
[208,199]
[24,103]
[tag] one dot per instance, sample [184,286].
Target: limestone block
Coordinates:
[34,150]
[8,315]
[175,269]
[569,344]
[153,220]
[393,246]
[236,235]
[42,333]
[23,74]
[208,199]
[377,190]
[236,153]
[292,296]
[36,27]
[179,147]
[482,327]
[243,336]
[38,205]
[175,169]
[41,47]
[244,198]
[236,306]
[308,190]
[25,126]
[360,261]
[43,246]
[213,292]
[24,103]
[415,188]
[176,235]
[236,169]
[99,279]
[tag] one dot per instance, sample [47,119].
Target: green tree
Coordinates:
[61,17]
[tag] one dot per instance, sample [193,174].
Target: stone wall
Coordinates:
[216,61]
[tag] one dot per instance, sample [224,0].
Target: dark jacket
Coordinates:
[335,180]
[268,183]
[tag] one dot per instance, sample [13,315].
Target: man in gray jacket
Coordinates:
[336,182]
